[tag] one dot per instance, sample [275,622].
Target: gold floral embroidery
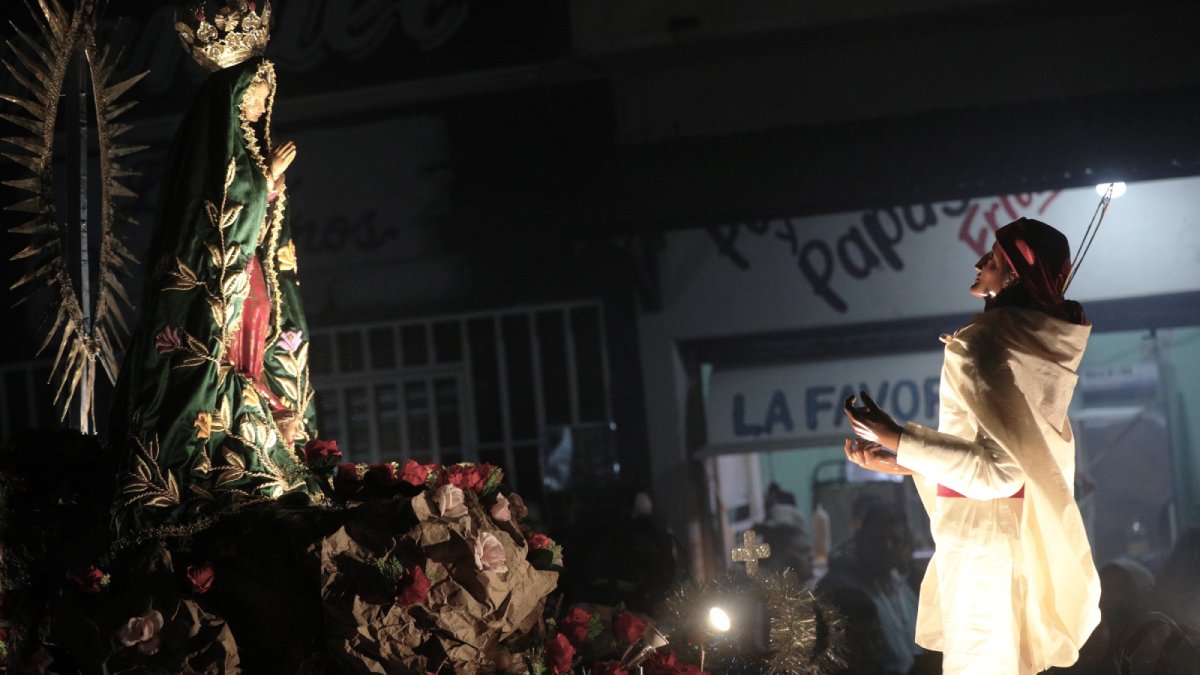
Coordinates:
[232,284]
[295,382]
[287,257]
[147,482]
[203,425]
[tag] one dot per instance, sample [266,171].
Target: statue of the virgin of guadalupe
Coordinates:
[213,404]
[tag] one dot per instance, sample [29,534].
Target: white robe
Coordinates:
[1011,587]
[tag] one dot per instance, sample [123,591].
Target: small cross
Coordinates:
[750,553]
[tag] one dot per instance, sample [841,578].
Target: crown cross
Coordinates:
[751,552]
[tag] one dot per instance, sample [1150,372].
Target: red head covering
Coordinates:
[1041,257]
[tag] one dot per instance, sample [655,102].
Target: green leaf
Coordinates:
[493,480]
[595,627]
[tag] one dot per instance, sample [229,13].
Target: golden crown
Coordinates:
[236,32]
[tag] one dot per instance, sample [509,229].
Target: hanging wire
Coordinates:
[1089,234]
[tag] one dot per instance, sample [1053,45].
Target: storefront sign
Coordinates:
[799,405]
[915,260]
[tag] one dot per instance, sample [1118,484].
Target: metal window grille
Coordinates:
[486,387]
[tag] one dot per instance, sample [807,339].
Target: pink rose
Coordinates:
[629,627]
[414,473]
[167,341]
[559,654]
[412,587]
[500,511]
[450,501]
[489,554]
[575,625]
[201,577]
[142,632]
[88,578]
[290,341]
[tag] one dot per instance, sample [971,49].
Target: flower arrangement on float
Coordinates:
[457,580]
[408,568]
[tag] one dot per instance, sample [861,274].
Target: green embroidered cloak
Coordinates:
[195,437]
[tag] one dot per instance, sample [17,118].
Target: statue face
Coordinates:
[254,101]
[992,274]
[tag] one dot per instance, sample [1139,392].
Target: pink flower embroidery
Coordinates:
[142,632]
[450,502]
[167,341]
[489,553]
[290,341]
[500,511]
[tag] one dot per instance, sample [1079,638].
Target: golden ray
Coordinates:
[35,226]
[36,274]
[26,143]
[30,124]
[114,92]
[34,164]
[32,107]
[122,150]
[45,64]
[31,205]
[116,111]
[33,67]
[37,90]
[33,185]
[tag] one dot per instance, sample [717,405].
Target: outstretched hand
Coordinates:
[871,423]
[874,457]
[282,156]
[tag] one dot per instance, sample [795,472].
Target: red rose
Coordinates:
[559,654]
[383,475]
[412,587]
[484,471]
[318,451]
[539,540]
[629,627]
[608,668]
[575,625]
[346,481]
[463,476]
[201,577]
[88,578]
[414,473]
[663,663]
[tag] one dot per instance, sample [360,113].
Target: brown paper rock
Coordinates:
[467,613]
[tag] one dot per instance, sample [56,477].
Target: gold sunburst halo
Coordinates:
[41,74]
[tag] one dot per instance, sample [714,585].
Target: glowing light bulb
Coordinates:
[1118,189]
[718,620]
